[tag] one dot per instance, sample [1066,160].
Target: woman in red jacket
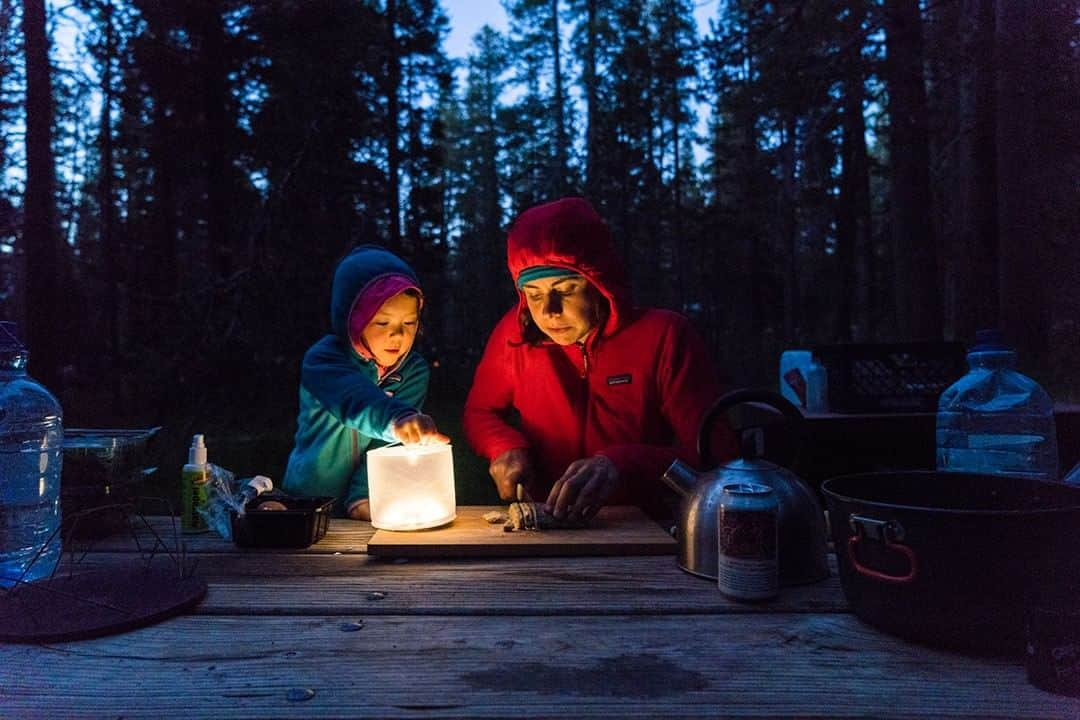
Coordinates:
[606,395]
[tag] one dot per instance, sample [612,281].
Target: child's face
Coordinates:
[391,332]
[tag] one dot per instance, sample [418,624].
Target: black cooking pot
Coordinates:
[946,558]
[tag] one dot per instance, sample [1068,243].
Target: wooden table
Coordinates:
[556,637]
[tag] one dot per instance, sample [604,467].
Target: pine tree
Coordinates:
[536,38]
[918,297]
[45,258]
[480,150]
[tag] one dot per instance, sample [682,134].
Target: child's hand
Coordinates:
[418,429]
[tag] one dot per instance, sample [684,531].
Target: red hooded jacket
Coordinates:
[634,391]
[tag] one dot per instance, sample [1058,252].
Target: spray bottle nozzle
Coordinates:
[197,452]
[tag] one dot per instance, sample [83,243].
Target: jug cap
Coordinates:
[9,337]
[13,353]
[990,340]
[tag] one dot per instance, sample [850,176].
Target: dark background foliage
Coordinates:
[173,203]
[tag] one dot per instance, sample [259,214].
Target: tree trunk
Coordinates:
[969,173]
[44,252]
[162,246]
[790,226]
[215,101]
[917,294]
[1039,217]
[561,150]
[981,182]
[853,217]
[590,99]
[393,131]
[110,252]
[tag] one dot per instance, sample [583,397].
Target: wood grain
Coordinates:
[360,636]
[404,666]
[344,536]
[616,530]
[329,585]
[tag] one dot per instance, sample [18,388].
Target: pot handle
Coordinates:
[737,397]
[886,532]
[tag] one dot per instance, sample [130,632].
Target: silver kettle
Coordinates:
[800,518]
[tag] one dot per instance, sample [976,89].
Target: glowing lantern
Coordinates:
[411,487]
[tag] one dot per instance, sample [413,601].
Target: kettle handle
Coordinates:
[736,397]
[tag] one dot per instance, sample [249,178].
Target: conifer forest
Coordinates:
[177,187]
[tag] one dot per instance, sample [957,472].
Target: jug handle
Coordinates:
[736,397]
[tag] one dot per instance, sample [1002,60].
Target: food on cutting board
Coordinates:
[532,516]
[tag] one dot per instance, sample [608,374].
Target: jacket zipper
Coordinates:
[355,449]
[588,397]
[356,433]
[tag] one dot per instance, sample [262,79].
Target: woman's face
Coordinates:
[562,307]
[390,334]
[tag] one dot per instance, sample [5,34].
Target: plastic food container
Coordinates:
[302,523]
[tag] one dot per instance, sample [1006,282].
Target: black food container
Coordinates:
[302,523]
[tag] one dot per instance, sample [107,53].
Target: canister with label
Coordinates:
[747,542]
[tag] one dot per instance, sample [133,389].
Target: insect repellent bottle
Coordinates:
[193,487]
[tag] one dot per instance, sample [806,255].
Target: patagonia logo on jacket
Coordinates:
[624,379]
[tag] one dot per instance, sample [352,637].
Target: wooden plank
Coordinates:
[343,536]
[616,530]
[346,584]
[581,667]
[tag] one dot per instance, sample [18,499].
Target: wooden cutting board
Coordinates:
[616,530]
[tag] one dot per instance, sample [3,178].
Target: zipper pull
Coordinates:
[584,360]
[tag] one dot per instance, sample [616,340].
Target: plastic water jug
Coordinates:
[31,453]
[995,419]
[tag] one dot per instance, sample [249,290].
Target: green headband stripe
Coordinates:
[540,272]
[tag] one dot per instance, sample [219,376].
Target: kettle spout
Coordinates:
[681,478]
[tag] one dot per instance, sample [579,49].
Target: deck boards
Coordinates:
[399,666]
[577,637]
[297,584]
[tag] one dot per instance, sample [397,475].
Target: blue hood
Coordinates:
[357,270]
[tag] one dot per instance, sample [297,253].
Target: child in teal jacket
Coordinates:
[360,387]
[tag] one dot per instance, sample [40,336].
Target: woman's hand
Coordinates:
[583,489]
[418,429]
[510,469]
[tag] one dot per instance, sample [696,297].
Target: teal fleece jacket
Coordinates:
[345,409]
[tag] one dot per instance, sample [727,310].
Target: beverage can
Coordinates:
[747,542]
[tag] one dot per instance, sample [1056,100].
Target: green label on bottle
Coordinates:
[193,493]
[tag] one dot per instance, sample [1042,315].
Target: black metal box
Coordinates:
[890,377]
